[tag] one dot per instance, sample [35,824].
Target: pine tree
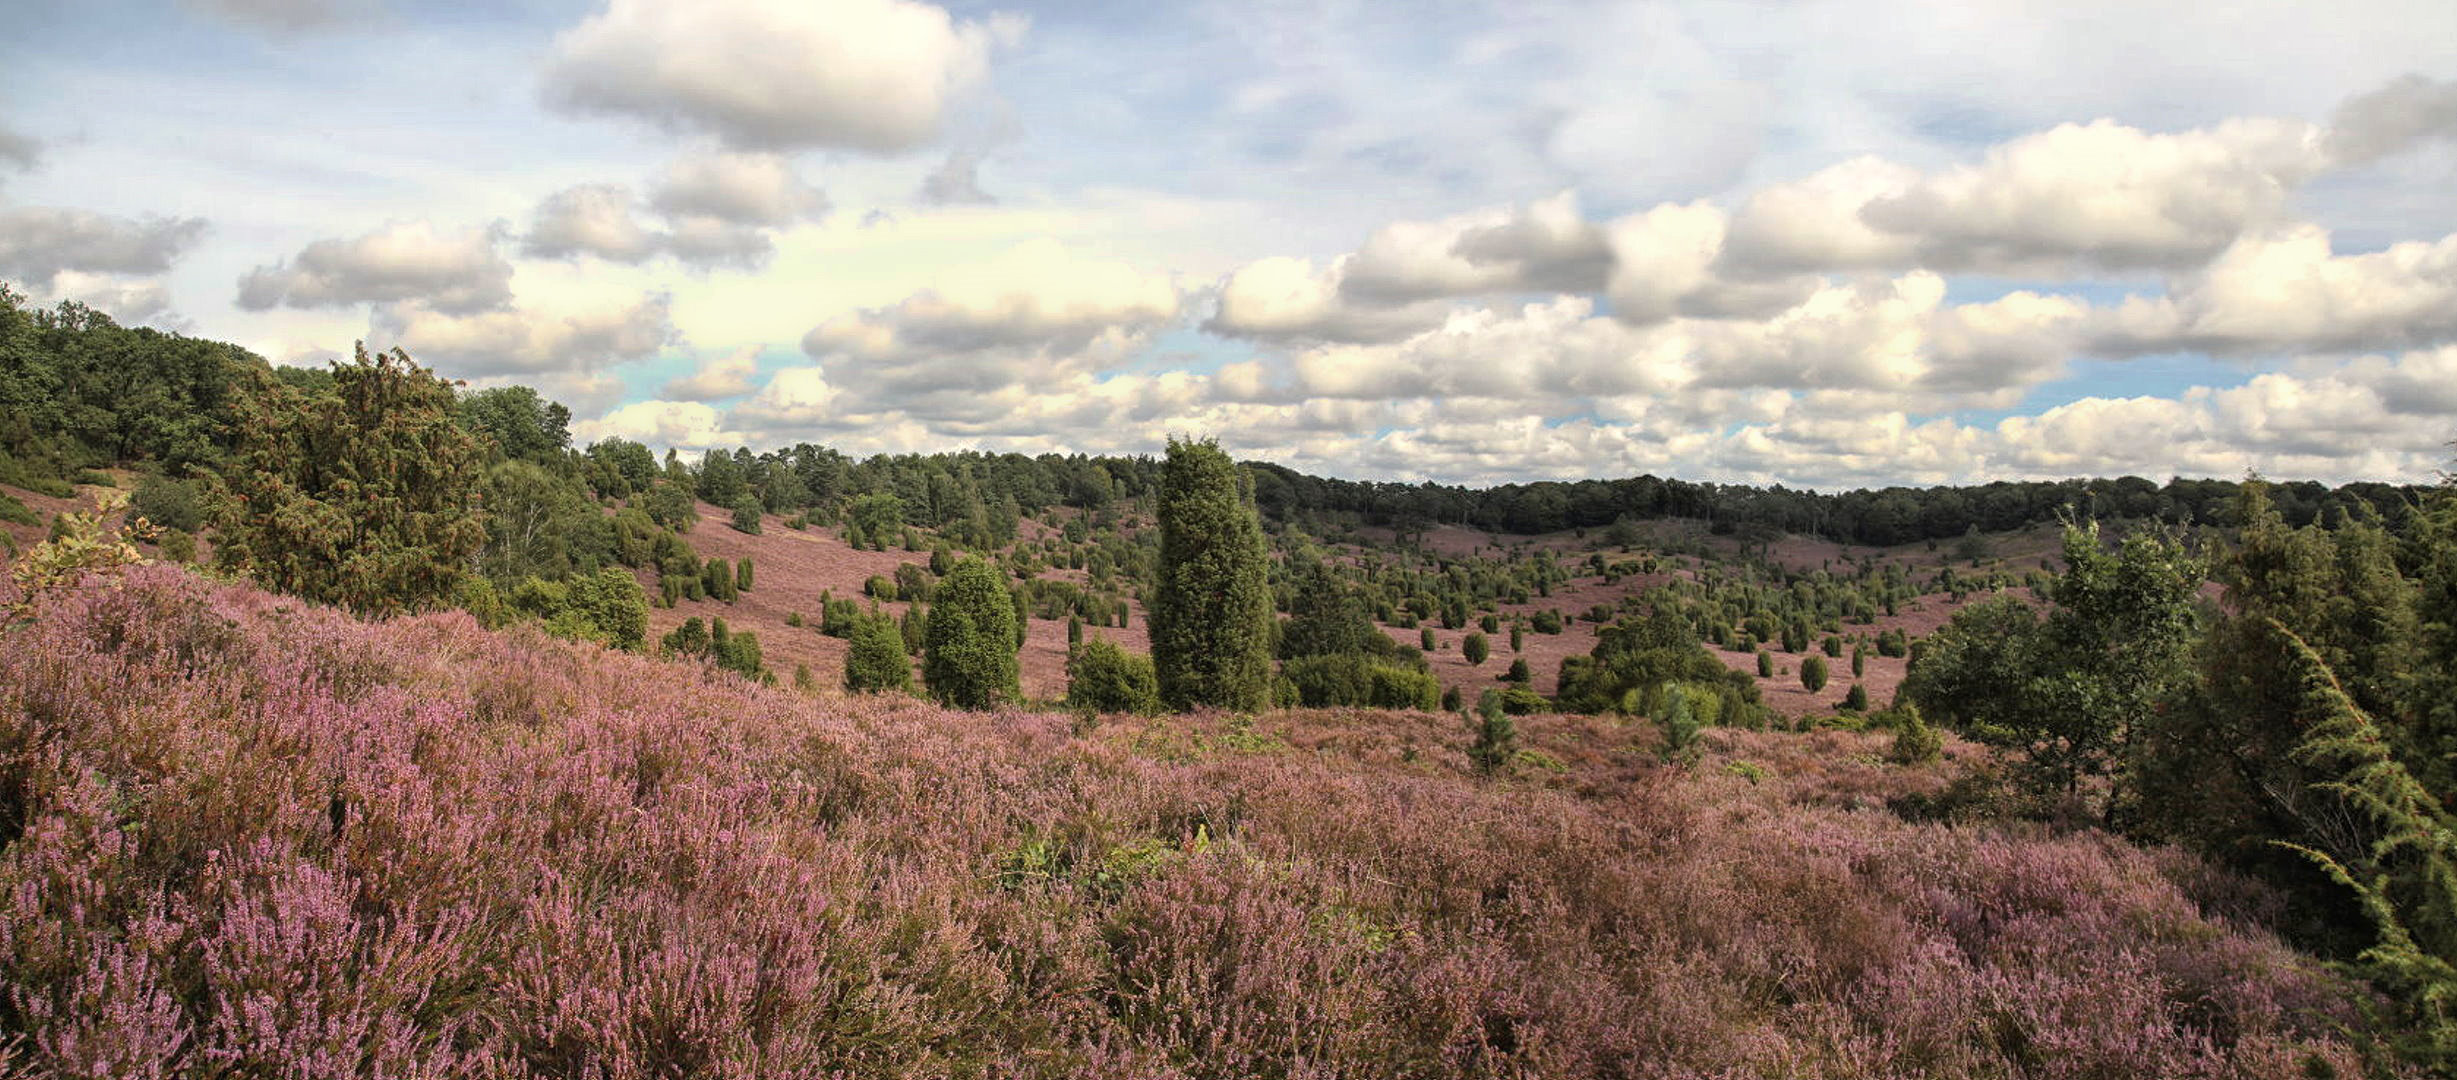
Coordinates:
[1211,607]
[968,658]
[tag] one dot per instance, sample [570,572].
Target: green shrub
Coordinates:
[1475,649]
[1813,673]
[746,517]
[1101,677]
[875,659]
[1914,741]
[168,503]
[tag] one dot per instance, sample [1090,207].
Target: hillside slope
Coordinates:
[239,835]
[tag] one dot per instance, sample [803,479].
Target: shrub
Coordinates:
[742,575]
[1547,621]
[1496,735]
[1475,649]
[1101,677]
[1765,664]
[1813,673]
[1915,742]
[880,588]
[177,546]
[1426,641]
[875,659]
[1857,699]
[1519,672]
[968,660]
[167,503]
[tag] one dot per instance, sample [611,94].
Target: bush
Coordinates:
[168,503]
[875,660]
[880,588]
[968,660]
[1356,680]
[742,575]
[1914,741]
[1765,664]
[746,517]
[1813,673]
[1547,621]
[177,546]
[1101,677]
[1857,699]
[1475,649]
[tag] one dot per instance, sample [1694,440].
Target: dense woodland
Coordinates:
[2295,726]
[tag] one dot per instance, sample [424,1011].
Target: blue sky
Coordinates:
[1815,243]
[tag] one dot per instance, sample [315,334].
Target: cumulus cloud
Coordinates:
[956,181]
[872,75]
[2098,195]
[450,271]
[686,425]
[744,189]
[1288,299]
[591,219]
[128,301]
[522,341]
[2283,290]
[2408,110]
[723,375]
[38,243]
[713,210]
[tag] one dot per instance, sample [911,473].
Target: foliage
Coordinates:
[875,659]
[413,848]
[1496,734]
[2069,691]
[1210,607]
[364,496]
[1354,679]
[968,659]
[1101,677]
[1813,673]
[607,607]
[168,503]
[746,516]
[1915,743]
[1475,649]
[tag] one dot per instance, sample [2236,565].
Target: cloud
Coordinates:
[742,189]
[2099,195]
[38,243]
[285,16]
[687,425]
[2284,290]
[455,272]
[956,181]
[715,210]
[521,341]
[1544,246]
[1287,299]
[871,75]
[127,302]
[18,151]
[722,375]
[591,219]
[2408,110]
[796,397]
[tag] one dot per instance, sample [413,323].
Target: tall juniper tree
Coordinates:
[968,657]
[1211,608]
[363,495]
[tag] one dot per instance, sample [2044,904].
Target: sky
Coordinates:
[1805,242]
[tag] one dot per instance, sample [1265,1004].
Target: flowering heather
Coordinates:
[240,836]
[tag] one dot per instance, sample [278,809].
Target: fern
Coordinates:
[2411,865]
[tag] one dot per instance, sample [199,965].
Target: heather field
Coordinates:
[244,836]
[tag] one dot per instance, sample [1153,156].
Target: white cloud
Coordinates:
[521,341]
[128,302]
[722,375]
[685,425]
[743,189]
[2408,110]
[453,271]
[875,75]
[2284,290]
[38,243]
[1287,299]
[956,181]
[2089,196]
[591,219]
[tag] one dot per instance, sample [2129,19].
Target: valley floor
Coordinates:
[244,836]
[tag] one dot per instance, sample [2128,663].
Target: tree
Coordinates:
[742,575]
[1211,600]
[746,516]
[365,496]
[517,423]
[2070,690]
[1324,618]
[968,659]
[1475,649]
[1813,673]
[875,659]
